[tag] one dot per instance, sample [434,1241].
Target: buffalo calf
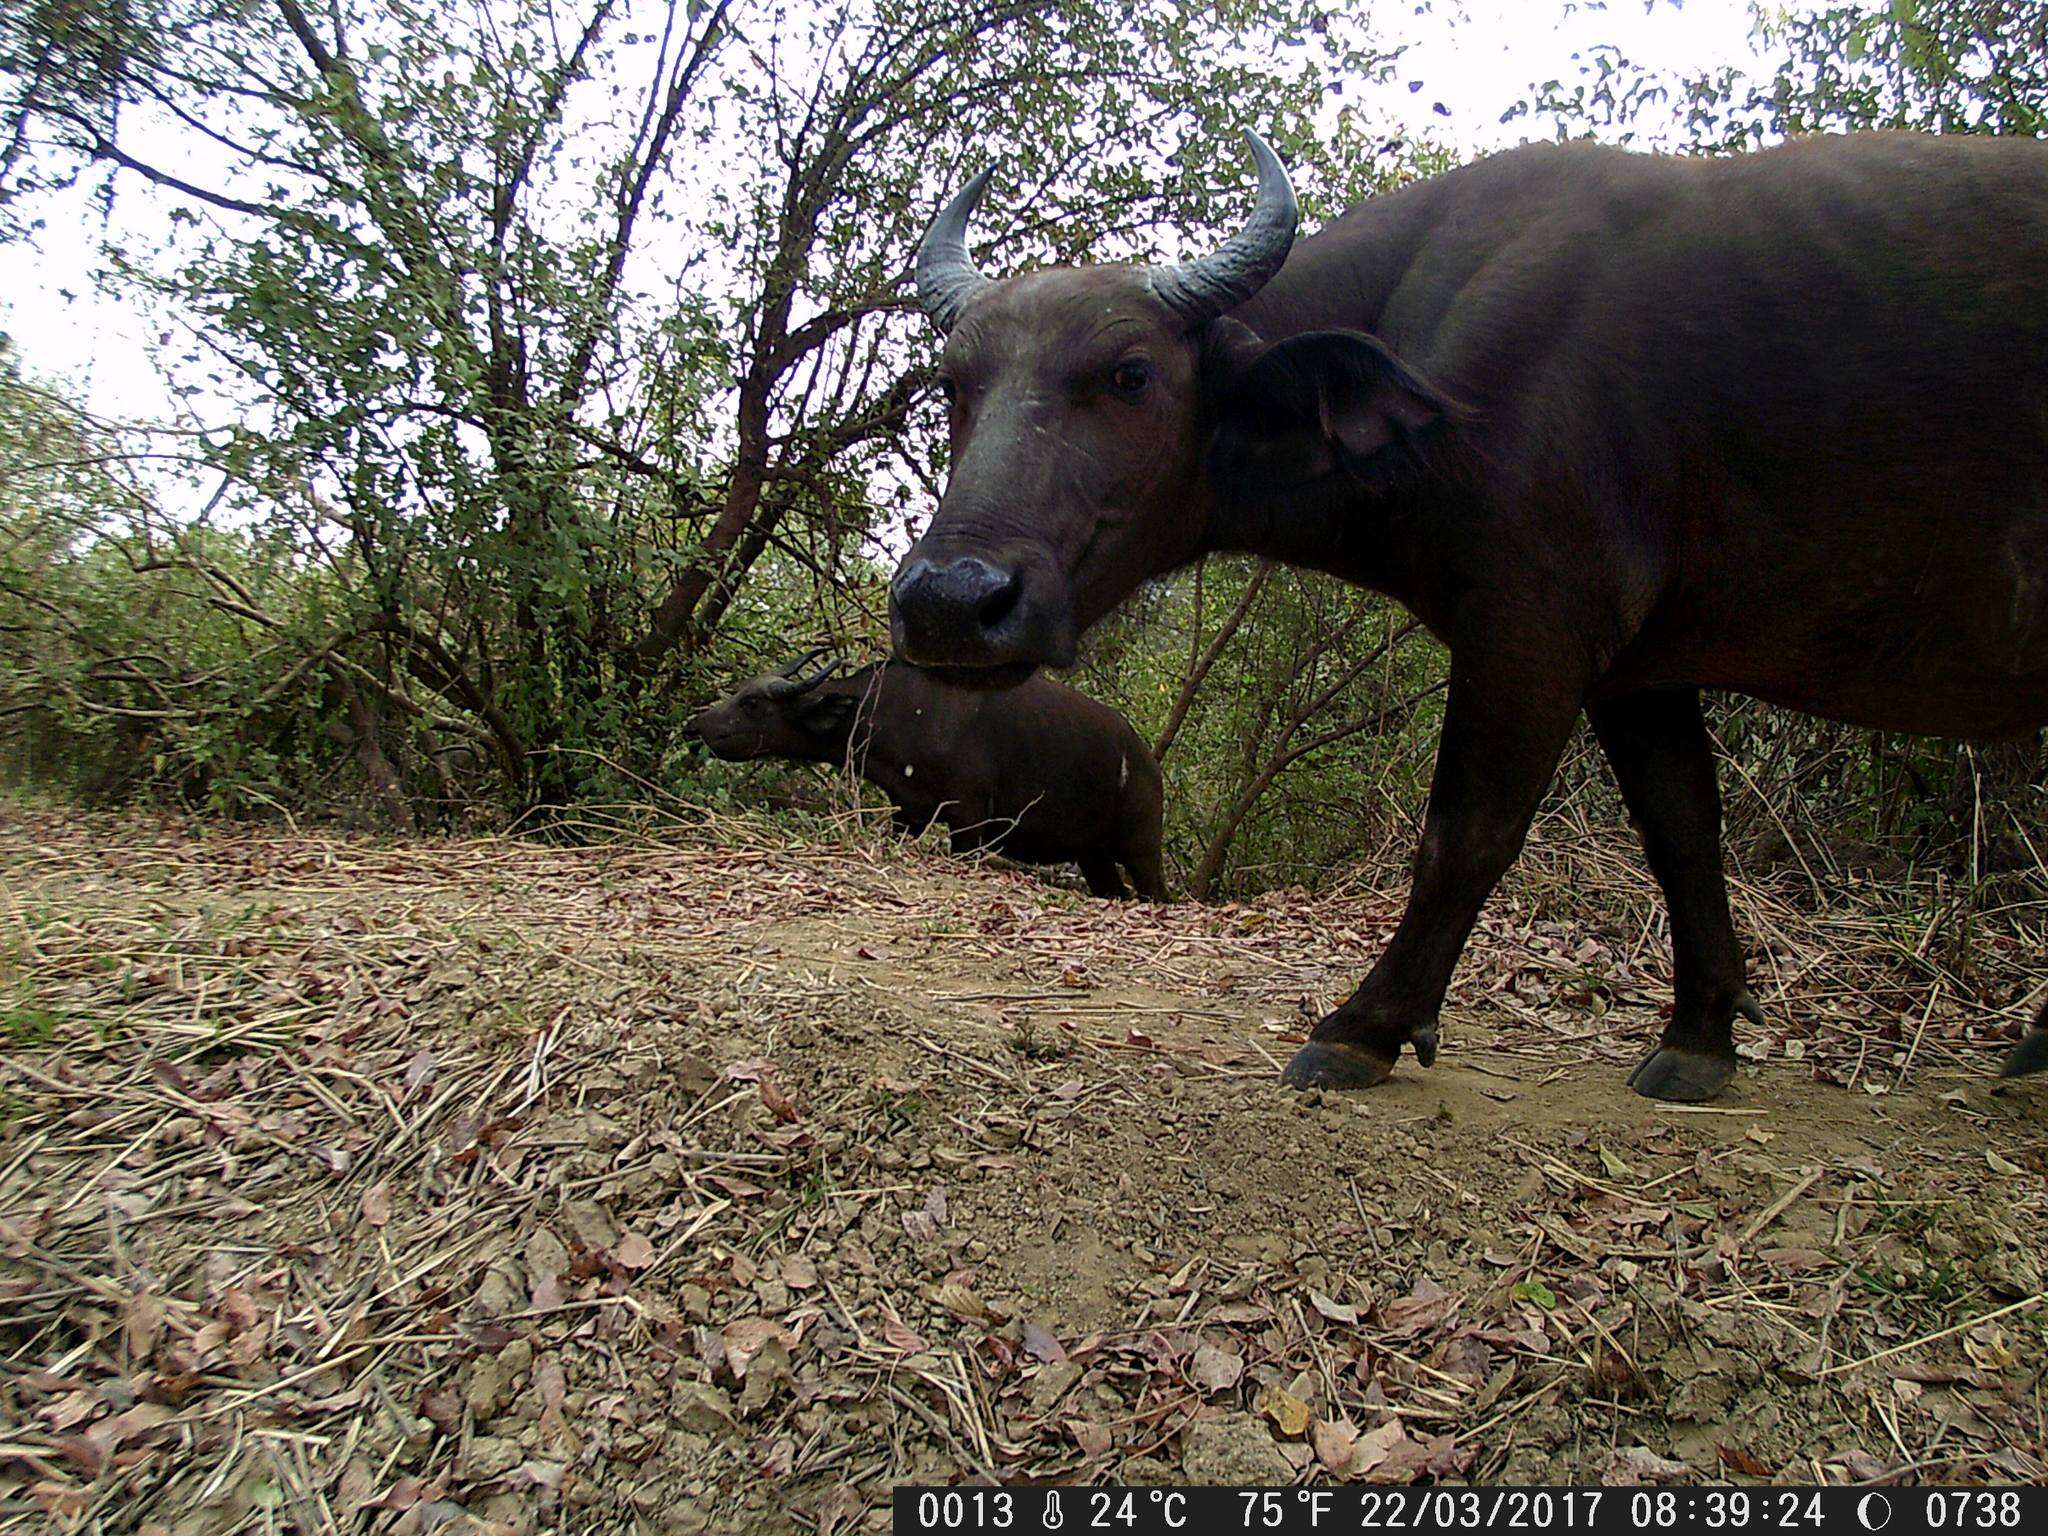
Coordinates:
[1038,772]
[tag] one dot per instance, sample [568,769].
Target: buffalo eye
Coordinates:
[1130,377]
[947,389]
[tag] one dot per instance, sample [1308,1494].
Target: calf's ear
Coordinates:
[1320,404]
[823,713]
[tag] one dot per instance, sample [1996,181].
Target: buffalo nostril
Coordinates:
[960,611]
[908,579]
[998,605]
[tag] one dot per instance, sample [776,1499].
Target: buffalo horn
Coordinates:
[1200,290]
[831,668]
[790,669]
[946,275]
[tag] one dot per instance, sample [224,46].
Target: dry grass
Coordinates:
[716,1184]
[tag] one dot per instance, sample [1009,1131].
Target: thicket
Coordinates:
[544,367]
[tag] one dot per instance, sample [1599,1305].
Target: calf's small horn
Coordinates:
[831,668]
[790,669]
[946,275]
[1199,291]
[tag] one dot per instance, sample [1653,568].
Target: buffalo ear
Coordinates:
[1315,405]
[823,713]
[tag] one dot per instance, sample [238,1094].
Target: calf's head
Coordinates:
[1098,418]
[785,713]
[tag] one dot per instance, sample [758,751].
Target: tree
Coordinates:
[1951,66]
[546,329]
[1947,66]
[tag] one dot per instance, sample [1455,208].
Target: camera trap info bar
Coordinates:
[1596,1511]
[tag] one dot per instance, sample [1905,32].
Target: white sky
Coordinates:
[1477,67]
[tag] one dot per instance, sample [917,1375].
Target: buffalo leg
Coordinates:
[1148,874]
[1503,734]
[1143,854]
[1657,743]
[2031,1054]
[1103,880]
[971,826]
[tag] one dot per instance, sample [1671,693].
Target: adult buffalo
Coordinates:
[1616,427]
[1036,772]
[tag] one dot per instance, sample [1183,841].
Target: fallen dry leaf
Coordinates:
[1215,1370]
[1735,1459]
[1289,1414]
[1335,1440]
[142,1324]
[442,1407]
[551,1381]
[747,1337]
[960,1301]
[1090,1436]
[775,1101]
[72,1408]
[1426,1306]
[900,1335]
[1040,1343]
[1372,1448]
[841,1506]
[1332,1311]
[1639,1464]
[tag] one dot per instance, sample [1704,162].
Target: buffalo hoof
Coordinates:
[1681,1077]
[2030,1055]
[1334,1064]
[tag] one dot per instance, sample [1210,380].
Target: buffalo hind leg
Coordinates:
[1144,858]
[1103,880]
[1657,744]
[1503,733]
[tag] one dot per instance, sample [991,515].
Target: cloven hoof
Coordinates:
[1681,1077]
[1334,1064]
[1345,1064]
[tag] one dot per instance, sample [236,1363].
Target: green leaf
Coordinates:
[1536,1291]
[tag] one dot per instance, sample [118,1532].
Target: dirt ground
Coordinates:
[713,1185]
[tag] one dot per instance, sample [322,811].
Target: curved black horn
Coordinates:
[1201,290]
[790,669]
[831,669]
[946,275]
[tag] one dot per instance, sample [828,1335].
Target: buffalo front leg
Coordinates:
[1657,743]
[1503,733]
[1103,879]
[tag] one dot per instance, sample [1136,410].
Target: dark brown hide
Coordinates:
[1037,772]
[1617,427]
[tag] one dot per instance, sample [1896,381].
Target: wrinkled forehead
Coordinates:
[1060,313]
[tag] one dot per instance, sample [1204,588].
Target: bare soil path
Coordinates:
[717,1186]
